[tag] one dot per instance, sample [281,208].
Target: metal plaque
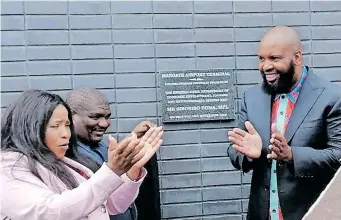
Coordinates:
[197,95]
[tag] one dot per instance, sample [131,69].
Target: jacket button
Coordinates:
[103,209]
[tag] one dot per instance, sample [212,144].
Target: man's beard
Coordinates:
[284,83]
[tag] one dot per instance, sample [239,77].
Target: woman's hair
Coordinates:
[23,127]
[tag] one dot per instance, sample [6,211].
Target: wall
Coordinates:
[118,47]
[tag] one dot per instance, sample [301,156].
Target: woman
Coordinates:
[40,181]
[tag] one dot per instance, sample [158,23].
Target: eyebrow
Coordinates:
[99,114]
[60,120]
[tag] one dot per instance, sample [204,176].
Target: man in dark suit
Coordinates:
[289,131]
[91,117]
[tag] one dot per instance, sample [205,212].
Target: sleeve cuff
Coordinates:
[141,177]
[106,175]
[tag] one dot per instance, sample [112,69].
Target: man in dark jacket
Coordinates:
[91,118]
[289,131]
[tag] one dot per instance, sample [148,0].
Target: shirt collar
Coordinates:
[293,95]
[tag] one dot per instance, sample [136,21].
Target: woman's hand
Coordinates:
[150,143]
[122,155]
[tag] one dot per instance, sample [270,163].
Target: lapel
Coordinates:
[265,110]
[309,93]
[263,117]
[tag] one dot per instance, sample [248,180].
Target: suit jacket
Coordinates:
[24,196]
[314,134]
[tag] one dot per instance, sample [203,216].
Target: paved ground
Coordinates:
[328,206]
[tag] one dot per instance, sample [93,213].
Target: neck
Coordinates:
[297,76]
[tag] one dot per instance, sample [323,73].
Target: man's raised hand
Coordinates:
[247,142]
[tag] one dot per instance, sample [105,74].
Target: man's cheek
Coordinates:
[90,123]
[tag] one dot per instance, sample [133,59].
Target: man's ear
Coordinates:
[75,117]
[298,58]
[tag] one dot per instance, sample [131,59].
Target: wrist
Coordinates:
[113,169]
[134,174]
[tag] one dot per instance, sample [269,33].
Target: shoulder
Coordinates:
[254,91]
[331,90]
[10,159]
[15,165]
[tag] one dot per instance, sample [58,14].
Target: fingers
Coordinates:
[137,149]
[132,150]
[276,142]
[279,137]
[151,134]
[155,135]
[147,124]
[158,144]
[235,136]
[148,154]
[138,156]
[236,141]
[129,149]
[249,127]
[148,133]
[144,138]
[112,142]
[133,136]
[272,155]
[152,151]
[239,148]
[274,129]
[123,144]
[157,139]
[152,139]
[237,133]
[119,158]
[143,126]
[277,150]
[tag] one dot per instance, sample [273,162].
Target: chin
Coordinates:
[60,156]
[273,84]
[96,139]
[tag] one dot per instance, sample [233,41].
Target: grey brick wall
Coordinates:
[119,47]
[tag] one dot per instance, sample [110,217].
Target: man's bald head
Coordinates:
[84,98]
[90,114]
[282,35]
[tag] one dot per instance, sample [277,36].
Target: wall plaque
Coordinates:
[197,95]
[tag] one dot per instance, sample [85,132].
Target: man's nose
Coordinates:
[104,123]
[267,66]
